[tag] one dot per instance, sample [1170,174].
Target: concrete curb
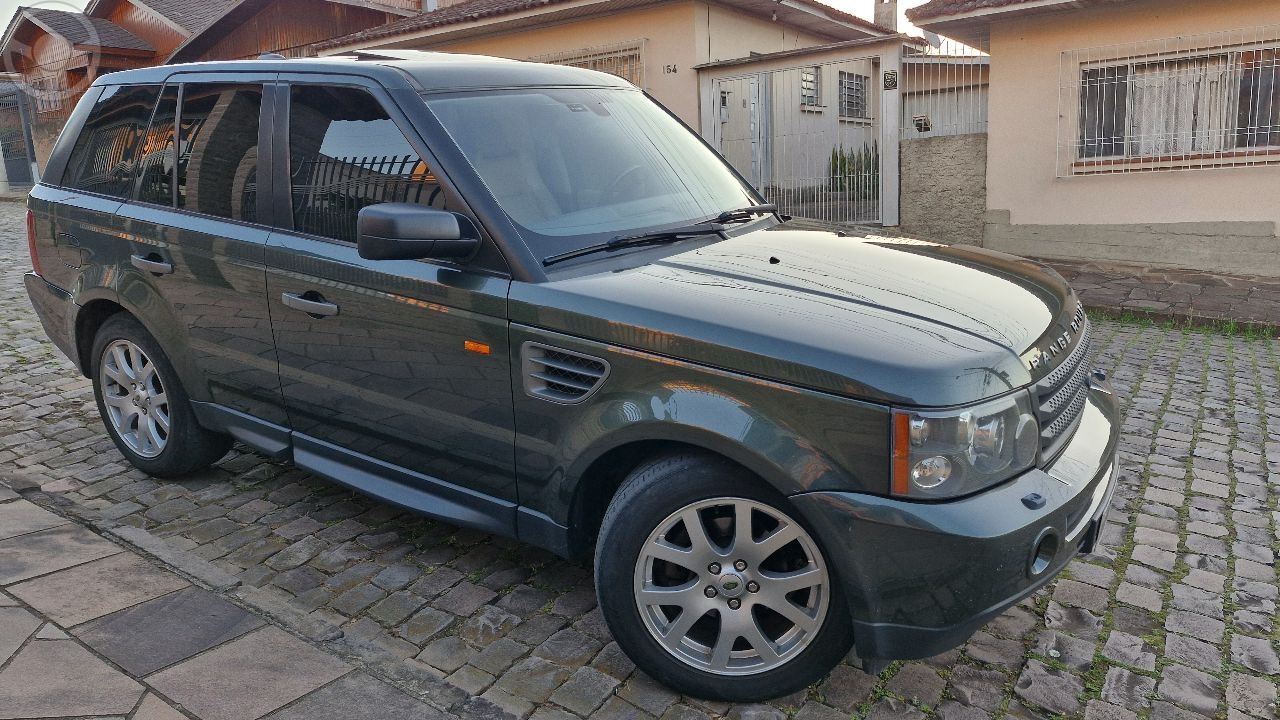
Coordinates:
[198,568]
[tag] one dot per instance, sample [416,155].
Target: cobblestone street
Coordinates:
[1173,619]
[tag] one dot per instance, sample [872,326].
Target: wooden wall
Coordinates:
[288,27]
[148,26]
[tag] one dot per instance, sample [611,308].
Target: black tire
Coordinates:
[649,497]
[186,446]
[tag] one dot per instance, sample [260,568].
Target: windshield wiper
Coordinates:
[745,213]
[627,241]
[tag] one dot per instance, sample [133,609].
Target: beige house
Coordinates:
[655,44]
[1131,130]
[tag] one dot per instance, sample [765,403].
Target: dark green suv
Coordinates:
[524,298]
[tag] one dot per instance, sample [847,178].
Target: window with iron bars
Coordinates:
[811,86]
[626,60]
[1215,107]
[853,95]
[49,90]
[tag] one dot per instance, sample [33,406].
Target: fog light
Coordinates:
[931,472]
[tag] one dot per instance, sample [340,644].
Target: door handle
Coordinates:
[157,267]
[317,307]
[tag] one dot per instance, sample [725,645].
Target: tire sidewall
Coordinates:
[653,493]
[171,460]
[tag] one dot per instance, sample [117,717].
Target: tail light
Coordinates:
[31,241]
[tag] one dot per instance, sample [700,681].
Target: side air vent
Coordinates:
[561,376]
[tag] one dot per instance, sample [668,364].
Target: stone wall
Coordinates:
[944,188]
[1227,246]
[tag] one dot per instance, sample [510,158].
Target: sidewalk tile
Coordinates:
[61,679]
[358,697]
[98,588]
[22,517]
[47,551]
[169,629]
[248,677]
[153,708]
[16,625]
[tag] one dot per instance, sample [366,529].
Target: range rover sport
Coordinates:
[525,298]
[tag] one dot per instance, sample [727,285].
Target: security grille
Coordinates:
[853,95]
[806,137]
[626,60]
[944,90]
[1196,102]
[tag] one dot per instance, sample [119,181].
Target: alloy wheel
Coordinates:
[731,586]
[136,403]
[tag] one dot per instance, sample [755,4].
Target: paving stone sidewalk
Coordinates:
[89,628]
[1174,293]
[1173,619]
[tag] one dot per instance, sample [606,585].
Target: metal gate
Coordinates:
[13,142]
[806,137]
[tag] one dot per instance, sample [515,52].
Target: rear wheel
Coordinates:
[144,407]
[712,585]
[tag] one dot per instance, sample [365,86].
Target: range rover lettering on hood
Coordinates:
[1040,360]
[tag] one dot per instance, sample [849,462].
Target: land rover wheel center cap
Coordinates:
[731,584]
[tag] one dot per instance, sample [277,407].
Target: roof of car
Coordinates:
[423,71]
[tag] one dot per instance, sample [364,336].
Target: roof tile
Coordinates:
[79,28]
[477,9]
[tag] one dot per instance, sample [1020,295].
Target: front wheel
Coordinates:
[147,412]
[713,587]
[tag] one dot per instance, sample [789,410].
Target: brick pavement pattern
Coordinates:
[1173,619]
[1173,292]
[90,629]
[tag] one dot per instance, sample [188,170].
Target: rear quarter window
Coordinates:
[104,158]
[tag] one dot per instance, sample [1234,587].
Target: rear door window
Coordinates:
[218,150]
[105,157]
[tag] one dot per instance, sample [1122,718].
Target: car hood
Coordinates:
[883,319]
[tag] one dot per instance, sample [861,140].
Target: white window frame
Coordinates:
[811,87]
[855,95]
[1197,125]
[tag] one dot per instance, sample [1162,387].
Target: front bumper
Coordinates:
[920,578]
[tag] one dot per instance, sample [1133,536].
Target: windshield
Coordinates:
[577,166]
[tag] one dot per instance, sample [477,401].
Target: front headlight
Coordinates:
[957,452]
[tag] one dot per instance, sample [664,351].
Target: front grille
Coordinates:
[561,376]
[1060,395]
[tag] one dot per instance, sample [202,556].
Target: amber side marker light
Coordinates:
[901,453]
[476,347]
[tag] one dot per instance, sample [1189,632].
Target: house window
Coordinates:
[49,90]
[853,95]
[626,60]
[811,86]
[1186,110]
[1258,111]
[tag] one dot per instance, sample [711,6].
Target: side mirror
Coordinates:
[407,231]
